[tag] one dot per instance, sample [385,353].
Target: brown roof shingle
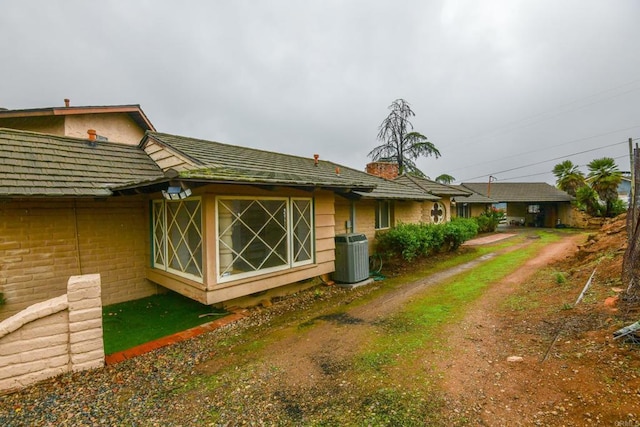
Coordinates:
[432,187]
[217,162]
[520,191]
[34,164]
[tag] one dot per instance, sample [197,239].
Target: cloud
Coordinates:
[494,84]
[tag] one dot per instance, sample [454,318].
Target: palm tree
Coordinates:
[400,143]
[604,177]
[568,177]
[445,179]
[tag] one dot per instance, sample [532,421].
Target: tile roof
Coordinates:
[35,164]
[520,191]
[473,197]
[432,187]
[216,162]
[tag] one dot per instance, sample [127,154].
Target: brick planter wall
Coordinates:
[52,337]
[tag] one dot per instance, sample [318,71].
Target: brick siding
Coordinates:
[40,249]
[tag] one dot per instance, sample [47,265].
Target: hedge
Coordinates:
[410,241]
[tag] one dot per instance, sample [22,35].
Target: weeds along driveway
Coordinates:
[325,357]
[326,367]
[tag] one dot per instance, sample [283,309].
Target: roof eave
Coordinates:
[153,186]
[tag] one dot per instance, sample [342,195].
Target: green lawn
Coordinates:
[132,323]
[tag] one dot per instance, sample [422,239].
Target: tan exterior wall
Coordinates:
[365,217]
[407,212]
[50,125]
[118,127]
[114,241]
[366,220]
[427,207]
[54,336]
[212,292]
[477,209]
[43,243]
[343,214]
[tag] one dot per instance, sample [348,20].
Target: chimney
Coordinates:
[92,134]
[315,159]
[66,102]
[387,170]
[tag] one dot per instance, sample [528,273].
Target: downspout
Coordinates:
[353,216]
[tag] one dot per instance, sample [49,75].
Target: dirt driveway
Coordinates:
[293,363]
[560,376]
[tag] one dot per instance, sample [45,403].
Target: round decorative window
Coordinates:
[438,214]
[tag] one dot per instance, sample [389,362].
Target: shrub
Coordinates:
[587,201]
[458,231]
[402,240]
[2,300]
[488,221]
[410,241]
[618,206]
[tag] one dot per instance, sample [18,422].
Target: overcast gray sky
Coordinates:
[500,87]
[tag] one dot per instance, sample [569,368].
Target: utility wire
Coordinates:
[513,123]
[548,172]
[555,145]
[549,160]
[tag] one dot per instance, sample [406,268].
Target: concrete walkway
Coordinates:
[496,237]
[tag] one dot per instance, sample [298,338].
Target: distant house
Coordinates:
[212,221]
[472,205]
[535,204]
[115,123]
[624,188]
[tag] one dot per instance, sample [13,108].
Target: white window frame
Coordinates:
[380,204]
[290,262]
[165,241]
[310,237]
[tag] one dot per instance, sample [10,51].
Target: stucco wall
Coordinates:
[53,336]
[477,209]
[42,243]
[50,125]
[118,127]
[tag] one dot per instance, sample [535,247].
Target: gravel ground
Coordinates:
[138,392]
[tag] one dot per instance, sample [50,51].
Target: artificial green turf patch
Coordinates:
[128,324]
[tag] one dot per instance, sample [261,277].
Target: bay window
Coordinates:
[260,235]
[177,237]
